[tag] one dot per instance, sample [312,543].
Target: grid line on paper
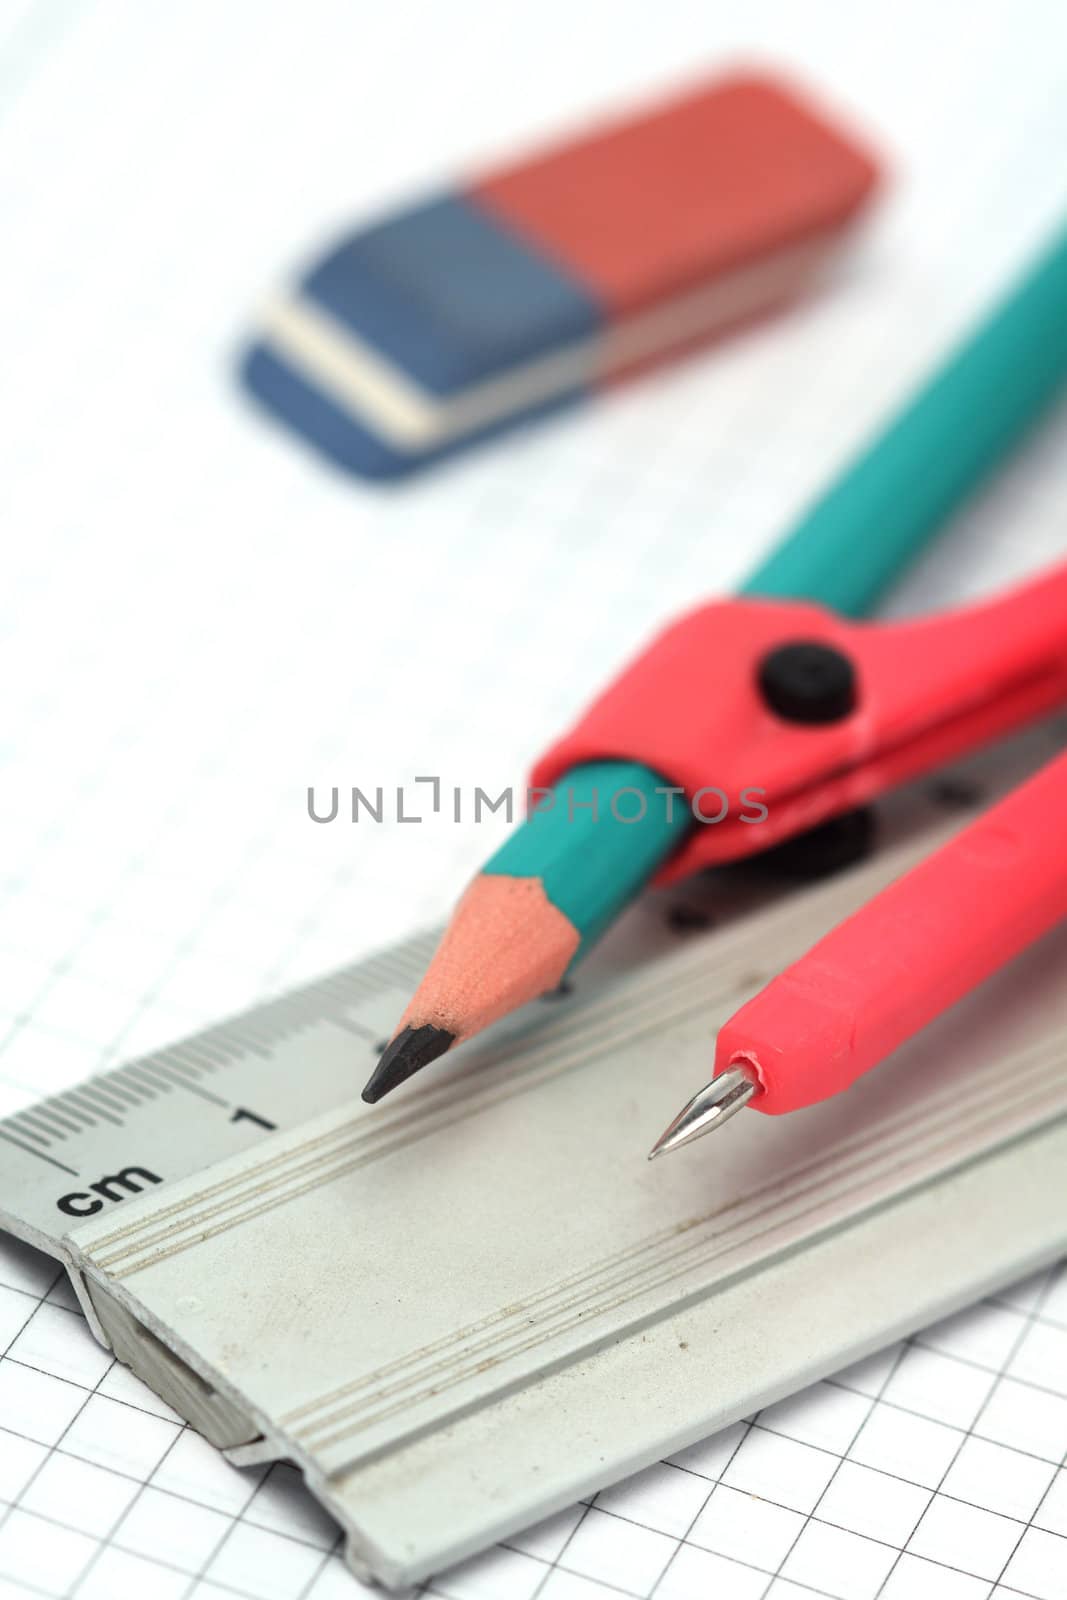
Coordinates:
[158,1561]
[747,1427]
[896,1477]
[175,1495]
[221,1545]
[560,1565]
[755,1567]
[838,1465]
[957,1498]
[14,1506]
[1060,1276]
[586,1506]
[912,1412]
[132,1478]
[1031,1317]
[915,1412]
[108,1542]
[1027,1526]
[333,1554]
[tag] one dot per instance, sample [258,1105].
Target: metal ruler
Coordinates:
[464,1308]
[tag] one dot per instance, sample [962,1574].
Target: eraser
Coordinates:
[532,286]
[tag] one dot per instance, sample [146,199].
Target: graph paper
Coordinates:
[198,621]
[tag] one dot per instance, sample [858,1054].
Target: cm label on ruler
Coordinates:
[131,1180]
[123,1133]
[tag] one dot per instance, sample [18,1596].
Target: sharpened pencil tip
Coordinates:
[408,1053]
[713,1105]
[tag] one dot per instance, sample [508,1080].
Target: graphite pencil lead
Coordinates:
[408,1053]
[505,945]
[713,1105]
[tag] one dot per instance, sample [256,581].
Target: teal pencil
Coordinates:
[562,877]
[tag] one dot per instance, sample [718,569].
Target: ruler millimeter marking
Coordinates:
[264,1070]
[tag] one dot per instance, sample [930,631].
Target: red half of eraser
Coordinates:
[730,173]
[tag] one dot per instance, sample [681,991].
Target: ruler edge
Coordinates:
[83,1243]
[370,1557]
[973,1287]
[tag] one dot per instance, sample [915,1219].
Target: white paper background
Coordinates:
[198,620]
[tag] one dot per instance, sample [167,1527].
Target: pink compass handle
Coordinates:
[909,954]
